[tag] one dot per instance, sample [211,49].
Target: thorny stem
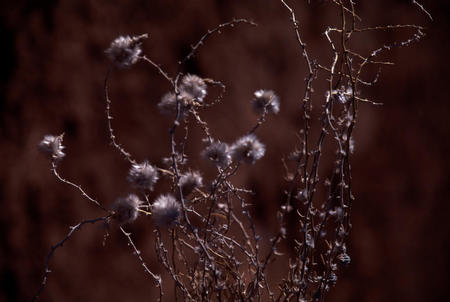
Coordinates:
[83,193]
[305,151]
[155,277]
[211,32]
[60,244]
[174,251]
[422,8]
[109,118]
[160,70]
[164,258]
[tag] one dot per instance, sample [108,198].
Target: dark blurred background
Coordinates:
[53,67]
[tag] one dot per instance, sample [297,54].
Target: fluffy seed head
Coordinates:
[143,175]
[218,153]
[193,87]
[247,149]
[165,210]
[189,181]
[126,209]
[168,104]
[52,146]
[124,51]
[268,99]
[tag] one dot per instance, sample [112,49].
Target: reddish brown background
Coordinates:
[52,71]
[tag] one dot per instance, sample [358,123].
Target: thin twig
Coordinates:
[422,8]
[83,193]
[155,277]
[210,32]
[109,118]
[60,244]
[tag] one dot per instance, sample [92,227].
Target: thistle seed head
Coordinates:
[143,175]
[193,87]
[266,99]
[166,210]
[168,104]
[125,210]
[218,153]
[247,149]
[52,146]
[189,181]
[124,51]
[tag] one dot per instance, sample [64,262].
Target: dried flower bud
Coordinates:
[344,258]
[247,149]
[125,210]
[193,87]
[124,51]
[310,241]
[332,279]
[266,99]
[287,208]
[302,195]
[189,181]
[165,210]
[52,145]
[143,176]
[218,153]
[296,155]
[351,145]
[283,232]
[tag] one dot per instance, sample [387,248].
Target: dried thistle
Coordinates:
[218,153]
[143,175]
[168,104]
[266,99]
[247,149]
[124,51]
[193,87]
[166,210]
[190,181]
[126,210]
[52,146]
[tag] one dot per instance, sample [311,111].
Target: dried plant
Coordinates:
[214,251]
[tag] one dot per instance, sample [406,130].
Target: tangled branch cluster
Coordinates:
[214,253]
